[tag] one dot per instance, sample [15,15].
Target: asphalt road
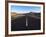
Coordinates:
[19,24]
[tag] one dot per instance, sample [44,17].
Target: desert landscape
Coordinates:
[31,14]
[19,21]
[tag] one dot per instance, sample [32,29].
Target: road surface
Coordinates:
[19,24]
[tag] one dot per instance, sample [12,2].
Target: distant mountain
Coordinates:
[35,14]
[32,14]
[27,14]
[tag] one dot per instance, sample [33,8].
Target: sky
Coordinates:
[25,9]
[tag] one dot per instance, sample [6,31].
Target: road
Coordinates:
[20,23]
